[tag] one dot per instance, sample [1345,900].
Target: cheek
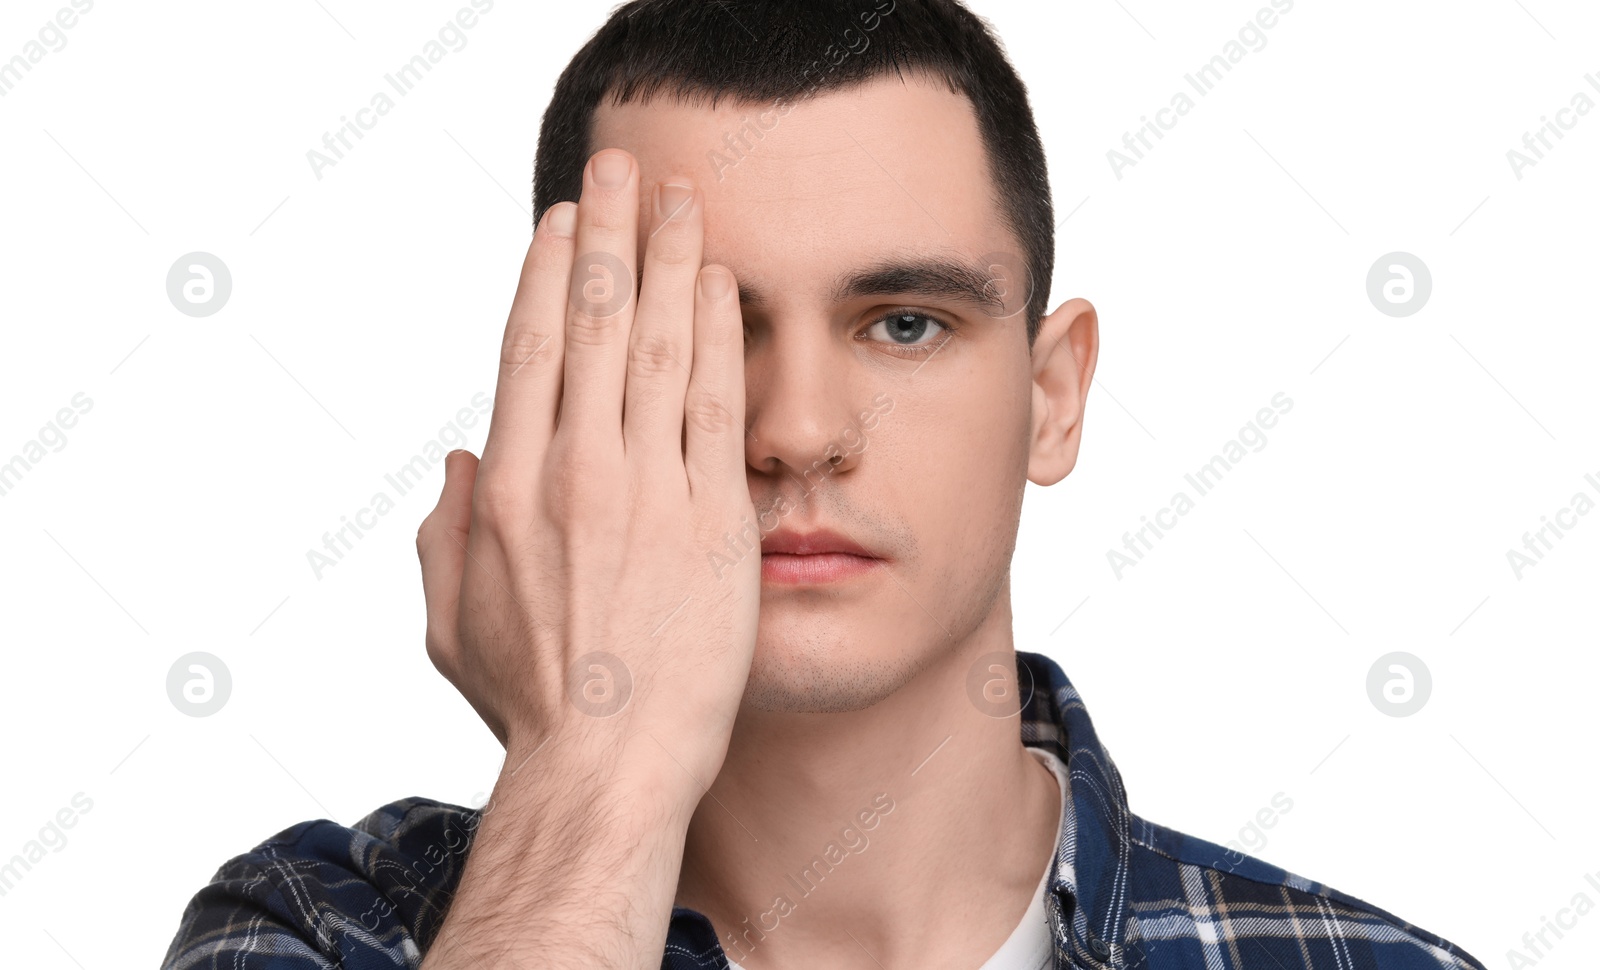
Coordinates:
[988,503]
[962,462]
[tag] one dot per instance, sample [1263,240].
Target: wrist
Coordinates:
[563,847]
[634,784]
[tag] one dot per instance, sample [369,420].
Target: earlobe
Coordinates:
[1064,355]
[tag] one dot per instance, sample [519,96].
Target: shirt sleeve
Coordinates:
[321,896]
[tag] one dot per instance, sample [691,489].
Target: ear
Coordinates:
[1064,355]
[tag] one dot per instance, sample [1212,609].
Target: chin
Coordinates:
[809,667]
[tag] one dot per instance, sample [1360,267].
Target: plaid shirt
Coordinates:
[1125,894]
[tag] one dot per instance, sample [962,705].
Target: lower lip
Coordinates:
[785,569]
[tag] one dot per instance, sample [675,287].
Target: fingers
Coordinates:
[529,385]
[661,345]
[601,305]
[442,550]
[713,408]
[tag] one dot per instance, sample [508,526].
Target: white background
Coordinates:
[1227,266]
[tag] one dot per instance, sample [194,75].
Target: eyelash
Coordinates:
[912,352]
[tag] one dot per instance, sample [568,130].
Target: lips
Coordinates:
[822,556]
[817,542]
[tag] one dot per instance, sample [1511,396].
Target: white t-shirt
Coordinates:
[1030,946]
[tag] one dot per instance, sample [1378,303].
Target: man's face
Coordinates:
[908,437]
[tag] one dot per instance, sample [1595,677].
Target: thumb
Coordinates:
[454,508]
[442,552]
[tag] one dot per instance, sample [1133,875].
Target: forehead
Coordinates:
[799,194]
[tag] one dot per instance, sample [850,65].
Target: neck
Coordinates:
[829,839]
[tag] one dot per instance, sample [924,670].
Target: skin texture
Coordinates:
[838,184]
[859,689]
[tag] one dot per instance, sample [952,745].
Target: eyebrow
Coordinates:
[931,277]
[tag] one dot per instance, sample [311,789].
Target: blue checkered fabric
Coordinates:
[1125,894]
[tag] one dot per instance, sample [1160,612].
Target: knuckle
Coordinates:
[577,510]
[498,503]
[707,414]
[432,531]
[577,478]
[585,329]
[524,347]
[582,498]
[441,653]
[653,356]
[572,492]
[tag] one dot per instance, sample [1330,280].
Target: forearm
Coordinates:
[575,864]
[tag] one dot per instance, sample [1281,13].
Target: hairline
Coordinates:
[706,96]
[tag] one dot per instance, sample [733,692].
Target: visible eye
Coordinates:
[909,332]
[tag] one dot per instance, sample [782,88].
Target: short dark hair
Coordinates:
[768,51]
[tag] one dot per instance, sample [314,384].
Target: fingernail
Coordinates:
[673,200]
[715,283]
[561,219]
[611,170]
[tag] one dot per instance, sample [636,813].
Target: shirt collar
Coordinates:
[1090,872]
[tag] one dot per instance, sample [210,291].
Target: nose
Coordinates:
[802,395]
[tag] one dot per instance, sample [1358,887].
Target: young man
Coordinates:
[730,582]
